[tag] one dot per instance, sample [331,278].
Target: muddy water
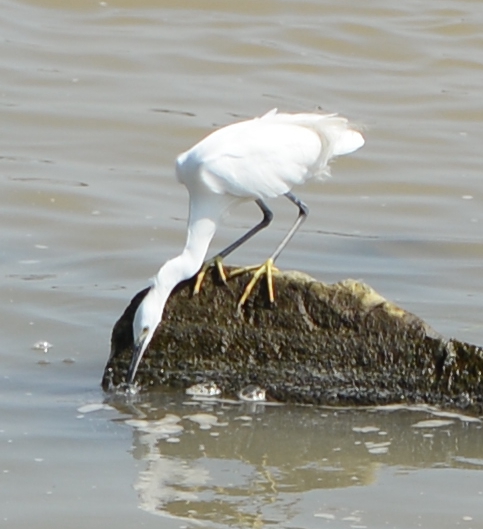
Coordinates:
[96,100]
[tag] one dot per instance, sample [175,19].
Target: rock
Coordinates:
[340,344]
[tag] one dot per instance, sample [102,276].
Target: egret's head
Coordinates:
[147,317]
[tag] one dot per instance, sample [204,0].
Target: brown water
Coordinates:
[96,100]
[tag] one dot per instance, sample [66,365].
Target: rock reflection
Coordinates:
[250,464]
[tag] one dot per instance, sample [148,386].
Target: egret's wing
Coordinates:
[267,156]
[257,159]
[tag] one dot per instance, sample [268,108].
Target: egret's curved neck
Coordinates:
[185,265]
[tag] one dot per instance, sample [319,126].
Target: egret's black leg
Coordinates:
[268,266]
[303,212]
[267,218]
[217,260]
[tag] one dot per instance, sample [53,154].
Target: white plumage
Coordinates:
[251,160]
[265,157]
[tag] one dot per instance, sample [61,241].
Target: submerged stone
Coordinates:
[340,344]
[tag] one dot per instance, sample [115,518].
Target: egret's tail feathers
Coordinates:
[349,141]
[336,132]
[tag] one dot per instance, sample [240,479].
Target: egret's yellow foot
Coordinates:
[266,268]
[242,270]
[218,262]
[247,269]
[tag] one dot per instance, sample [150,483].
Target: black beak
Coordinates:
[137,354]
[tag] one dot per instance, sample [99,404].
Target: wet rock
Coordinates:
[340,344]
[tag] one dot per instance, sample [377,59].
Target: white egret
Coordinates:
[251,160]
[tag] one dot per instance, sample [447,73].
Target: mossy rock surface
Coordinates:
[340,344]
